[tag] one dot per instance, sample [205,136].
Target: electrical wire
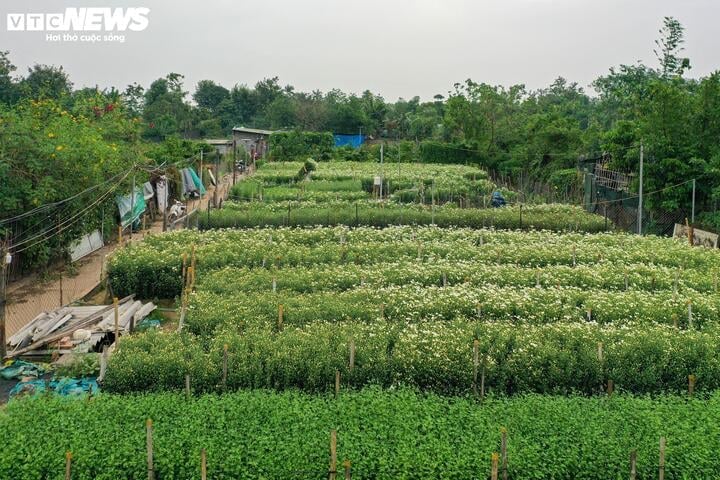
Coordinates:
[58,203]
[45,224]
[37,240]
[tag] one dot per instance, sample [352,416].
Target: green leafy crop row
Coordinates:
[367,213]
[401,434]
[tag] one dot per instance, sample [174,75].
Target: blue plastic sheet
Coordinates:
[342,139]
[65,387]
[18,369]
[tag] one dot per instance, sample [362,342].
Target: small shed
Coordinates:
[253,140]
[222,145]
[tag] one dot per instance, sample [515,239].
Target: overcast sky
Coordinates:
[398,48]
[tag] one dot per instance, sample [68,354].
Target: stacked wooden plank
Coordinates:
[79,328]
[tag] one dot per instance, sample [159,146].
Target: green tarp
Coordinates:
[198,183]
[125,202]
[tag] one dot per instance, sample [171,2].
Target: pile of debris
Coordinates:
[78,329]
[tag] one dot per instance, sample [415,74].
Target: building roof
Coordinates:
[218,141]
[252,130]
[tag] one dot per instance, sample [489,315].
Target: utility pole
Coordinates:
[217,179]
[234,166]
[692,216]
[382,172]
[640,201]
[201,166]
[132,207]
[5,260]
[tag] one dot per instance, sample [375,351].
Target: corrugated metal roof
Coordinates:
[252,130]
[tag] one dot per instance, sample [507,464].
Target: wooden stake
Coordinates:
[690,315]
[633,464]
[68,465]
[184,268]
[537,278]
[150,466]
[626,280]
[333,455]
[610,387]
[203,464]
[503,452]
[187,387]
[444,279]
[661,473]
[574,259]
[494,466]
[352,354]
[476,364]
[691,384]
[348,472]
[225,366]
[274,285]
[337,383]
[675,320]
[482,381]
[117,320]
[589,314]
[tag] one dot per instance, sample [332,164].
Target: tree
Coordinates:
[8,88]
[210,96]
[134,98]
[669,47]
[44,81]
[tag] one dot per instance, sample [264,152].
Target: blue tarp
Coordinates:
[354,141]
[65,387]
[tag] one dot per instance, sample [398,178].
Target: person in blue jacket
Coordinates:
[497,199]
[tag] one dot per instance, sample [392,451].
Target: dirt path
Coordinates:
[32,295]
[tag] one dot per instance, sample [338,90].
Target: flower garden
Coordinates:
[427,336]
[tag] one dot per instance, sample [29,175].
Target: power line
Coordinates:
[58,203]
[66,223]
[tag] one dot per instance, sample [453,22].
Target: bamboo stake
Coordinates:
[68,465]
[184,268]
[503,452]
[149,437]
[352,354]
[476,364]
[225,366]
[661,473]
[333,455]
[337,383]
[691,384]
